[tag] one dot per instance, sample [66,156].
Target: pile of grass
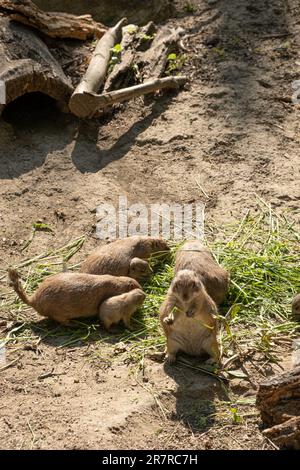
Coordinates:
[262,253]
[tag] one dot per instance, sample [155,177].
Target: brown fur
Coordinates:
[121,307]
[195,256]
[125,257]
[296,307]
[192,328]
[72,295]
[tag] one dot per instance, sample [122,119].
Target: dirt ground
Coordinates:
[235,130]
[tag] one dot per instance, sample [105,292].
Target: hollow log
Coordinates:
[96,72]
[56,25]
[278,400]
[26,65]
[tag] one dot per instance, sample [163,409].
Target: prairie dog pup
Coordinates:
[195,256]
[125,257]
[120,307]
[72,295]
[192,328]
[296,307]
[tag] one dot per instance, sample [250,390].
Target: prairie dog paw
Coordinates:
[169,320]
[171,359]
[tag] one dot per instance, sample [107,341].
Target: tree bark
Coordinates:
[154,60]
[278,400]
[56,25]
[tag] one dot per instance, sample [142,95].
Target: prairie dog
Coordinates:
[121,307]
[127,257]
[192,328]
[65,296]
[195,256]
[296,307]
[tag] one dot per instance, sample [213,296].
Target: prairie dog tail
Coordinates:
[15,281]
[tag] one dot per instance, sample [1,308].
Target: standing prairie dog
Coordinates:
[65,296]
[121,307]
[296,307]
[195,256]
[192,328]
[126,257]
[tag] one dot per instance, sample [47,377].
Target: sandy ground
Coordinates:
[235,131]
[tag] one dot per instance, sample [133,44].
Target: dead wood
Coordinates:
[285,435]
[26,65]
[278,400]
[56,25]
[96,72]
[154,60]
[94,103]
[122,73]
[127,71]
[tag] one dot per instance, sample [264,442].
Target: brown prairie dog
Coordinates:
[65,296]
[120,307]
[296,307]
[195,256]
[192,329]
[127,257]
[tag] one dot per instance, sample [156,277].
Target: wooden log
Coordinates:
[26,65]
[96,72]
[122,73]
[285,435]
[154,60]
[109,12]
[278,400]
[92,103]
[127,72]
[56,25]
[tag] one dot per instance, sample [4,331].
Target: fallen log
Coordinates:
[278,400]
[285,435]
[26,65]
[122,72]
[109,12]
[96,72]
[128,71]
[92,103]
[56,25]
[154,60]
